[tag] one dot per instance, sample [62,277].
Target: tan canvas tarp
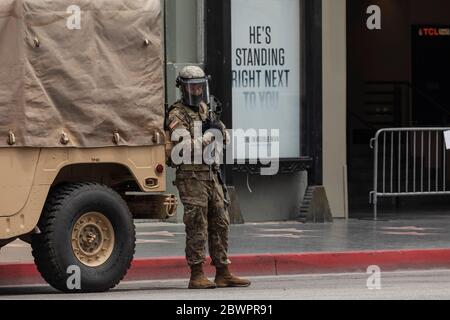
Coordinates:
[88,82]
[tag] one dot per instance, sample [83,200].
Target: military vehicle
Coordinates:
[82,140]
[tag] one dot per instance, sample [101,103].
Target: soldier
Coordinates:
[205,214]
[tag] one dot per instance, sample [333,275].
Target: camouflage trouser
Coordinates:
[205,217]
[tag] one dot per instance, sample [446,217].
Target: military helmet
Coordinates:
[194,86]
[192,72]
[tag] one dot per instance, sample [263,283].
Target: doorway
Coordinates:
[398,76]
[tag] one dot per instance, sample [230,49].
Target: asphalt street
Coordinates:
[407,285]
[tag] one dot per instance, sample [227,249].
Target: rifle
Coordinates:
[226,195]
[214,114]
[215,109]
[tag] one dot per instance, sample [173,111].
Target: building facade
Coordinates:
[328,74]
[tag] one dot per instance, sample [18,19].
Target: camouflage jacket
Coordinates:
[183,117]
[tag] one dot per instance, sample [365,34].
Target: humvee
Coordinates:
[82,140]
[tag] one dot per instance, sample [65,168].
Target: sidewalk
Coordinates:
[277,248]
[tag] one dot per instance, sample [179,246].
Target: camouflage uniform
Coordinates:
[205,215]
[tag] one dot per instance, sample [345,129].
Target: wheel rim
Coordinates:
[93,239]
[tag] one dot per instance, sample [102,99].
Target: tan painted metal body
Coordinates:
[27,174]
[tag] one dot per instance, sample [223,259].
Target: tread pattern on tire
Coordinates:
[43,253]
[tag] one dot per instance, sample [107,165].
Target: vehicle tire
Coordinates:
[86,231]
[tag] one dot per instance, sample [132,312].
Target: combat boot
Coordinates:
[225,279]
[198,279]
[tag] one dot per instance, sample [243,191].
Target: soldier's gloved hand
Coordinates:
[208,138]
[206,125]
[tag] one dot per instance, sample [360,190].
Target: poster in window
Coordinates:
[266,73]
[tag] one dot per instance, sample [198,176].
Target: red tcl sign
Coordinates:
[434,32]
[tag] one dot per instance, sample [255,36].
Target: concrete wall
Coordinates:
[182,38]
[273,198]
[335,105]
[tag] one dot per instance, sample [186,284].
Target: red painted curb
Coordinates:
[359,261]
[260,264]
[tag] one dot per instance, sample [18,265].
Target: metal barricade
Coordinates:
[409,162]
